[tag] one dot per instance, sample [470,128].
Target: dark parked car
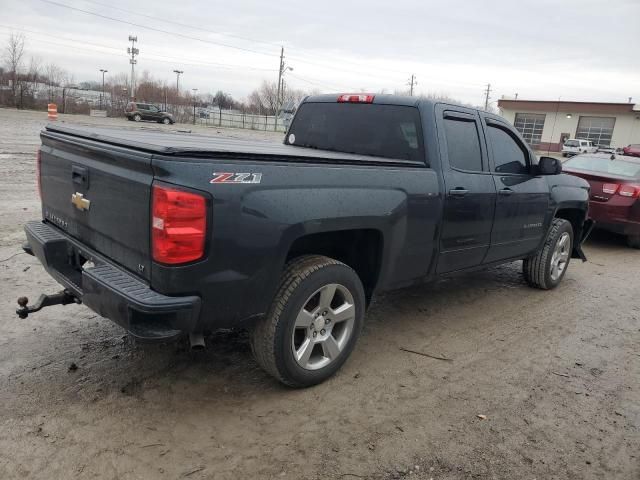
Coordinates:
[137,111]
[615,191]
[632,150]
[169,234]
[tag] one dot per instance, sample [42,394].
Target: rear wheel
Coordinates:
[633,241]
[313,324]
[546,269]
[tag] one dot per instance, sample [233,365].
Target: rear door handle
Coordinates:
[505,191]
[458,192]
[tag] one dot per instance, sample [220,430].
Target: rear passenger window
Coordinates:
[508,155]
[463,144]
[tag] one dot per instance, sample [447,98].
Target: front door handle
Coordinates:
[505,191]
[458,192]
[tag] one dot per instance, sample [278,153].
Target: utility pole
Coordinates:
[102,96]
[412,82]
[486,96]
[195,90]
[133,51]
[178,73]
[280,71]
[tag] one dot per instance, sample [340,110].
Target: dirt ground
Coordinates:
[557,375]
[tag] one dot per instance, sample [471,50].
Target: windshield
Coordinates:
[571,143]
[619,168]
[392,131]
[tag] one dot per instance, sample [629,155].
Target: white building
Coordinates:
[546,124]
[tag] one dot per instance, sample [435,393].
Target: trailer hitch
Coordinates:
[61,298]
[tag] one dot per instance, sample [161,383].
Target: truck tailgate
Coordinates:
[99,194]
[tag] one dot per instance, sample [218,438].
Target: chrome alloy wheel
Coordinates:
[323,327]
[560,256]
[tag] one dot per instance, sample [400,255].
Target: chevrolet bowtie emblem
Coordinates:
[80,202]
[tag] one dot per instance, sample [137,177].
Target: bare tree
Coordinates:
[54,76]
[34,74]
[13,57]
[264,100]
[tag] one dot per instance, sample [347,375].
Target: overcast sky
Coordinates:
[545,49]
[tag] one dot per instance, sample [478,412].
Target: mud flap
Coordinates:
[587,227]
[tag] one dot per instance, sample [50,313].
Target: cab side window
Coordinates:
[463,144]
[509,156]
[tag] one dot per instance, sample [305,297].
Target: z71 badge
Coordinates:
[236,178]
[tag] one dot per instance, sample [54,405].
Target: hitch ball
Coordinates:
[23,301]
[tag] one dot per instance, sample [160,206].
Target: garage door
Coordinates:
[597,129]
[530,126]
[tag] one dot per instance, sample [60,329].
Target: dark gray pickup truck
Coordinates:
[171,234]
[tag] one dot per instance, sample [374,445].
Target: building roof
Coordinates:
[566,106]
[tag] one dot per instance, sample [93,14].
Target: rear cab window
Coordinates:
[390,131]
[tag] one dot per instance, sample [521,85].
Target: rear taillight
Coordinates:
[632,191]
[610,188]
[356,98]
[178,225]
[38,170]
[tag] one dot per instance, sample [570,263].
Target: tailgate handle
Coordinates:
[80,175]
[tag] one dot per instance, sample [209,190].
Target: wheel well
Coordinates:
[576,217]
[360,249]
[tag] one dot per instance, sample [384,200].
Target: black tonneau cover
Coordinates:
[183,143]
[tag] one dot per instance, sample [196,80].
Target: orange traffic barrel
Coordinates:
[52,110]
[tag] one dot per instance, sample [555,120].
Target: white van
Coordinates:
[574,146]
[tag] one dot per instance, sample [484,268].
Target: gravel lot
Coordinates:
[557,375]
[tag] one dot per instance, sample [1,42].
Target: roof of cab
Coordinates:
[388,99]
[378,98]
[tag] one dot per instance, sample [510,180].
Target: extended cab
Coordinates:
[169,234]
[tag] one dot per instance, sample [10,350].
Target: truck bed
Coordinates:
[152,140]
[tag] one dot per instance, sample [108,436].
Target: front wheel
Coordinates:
[546,269]
[313,323]
[166,121]
[137,118]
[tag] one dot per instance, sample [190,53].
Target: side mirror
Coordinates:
[549,166]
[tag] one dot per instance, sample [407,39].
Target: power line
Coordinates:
[191,37]
[148,57]
[214,32]
[298,59]
[183,24]
[318,84]
[157,29]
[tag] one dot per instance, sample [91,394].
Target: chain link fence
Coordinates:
[231,119]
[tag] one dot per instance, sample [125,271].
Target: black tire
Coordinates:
[166,121]
[537,269]
[137,117]
[272,336]
[564,154]
[633,241]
